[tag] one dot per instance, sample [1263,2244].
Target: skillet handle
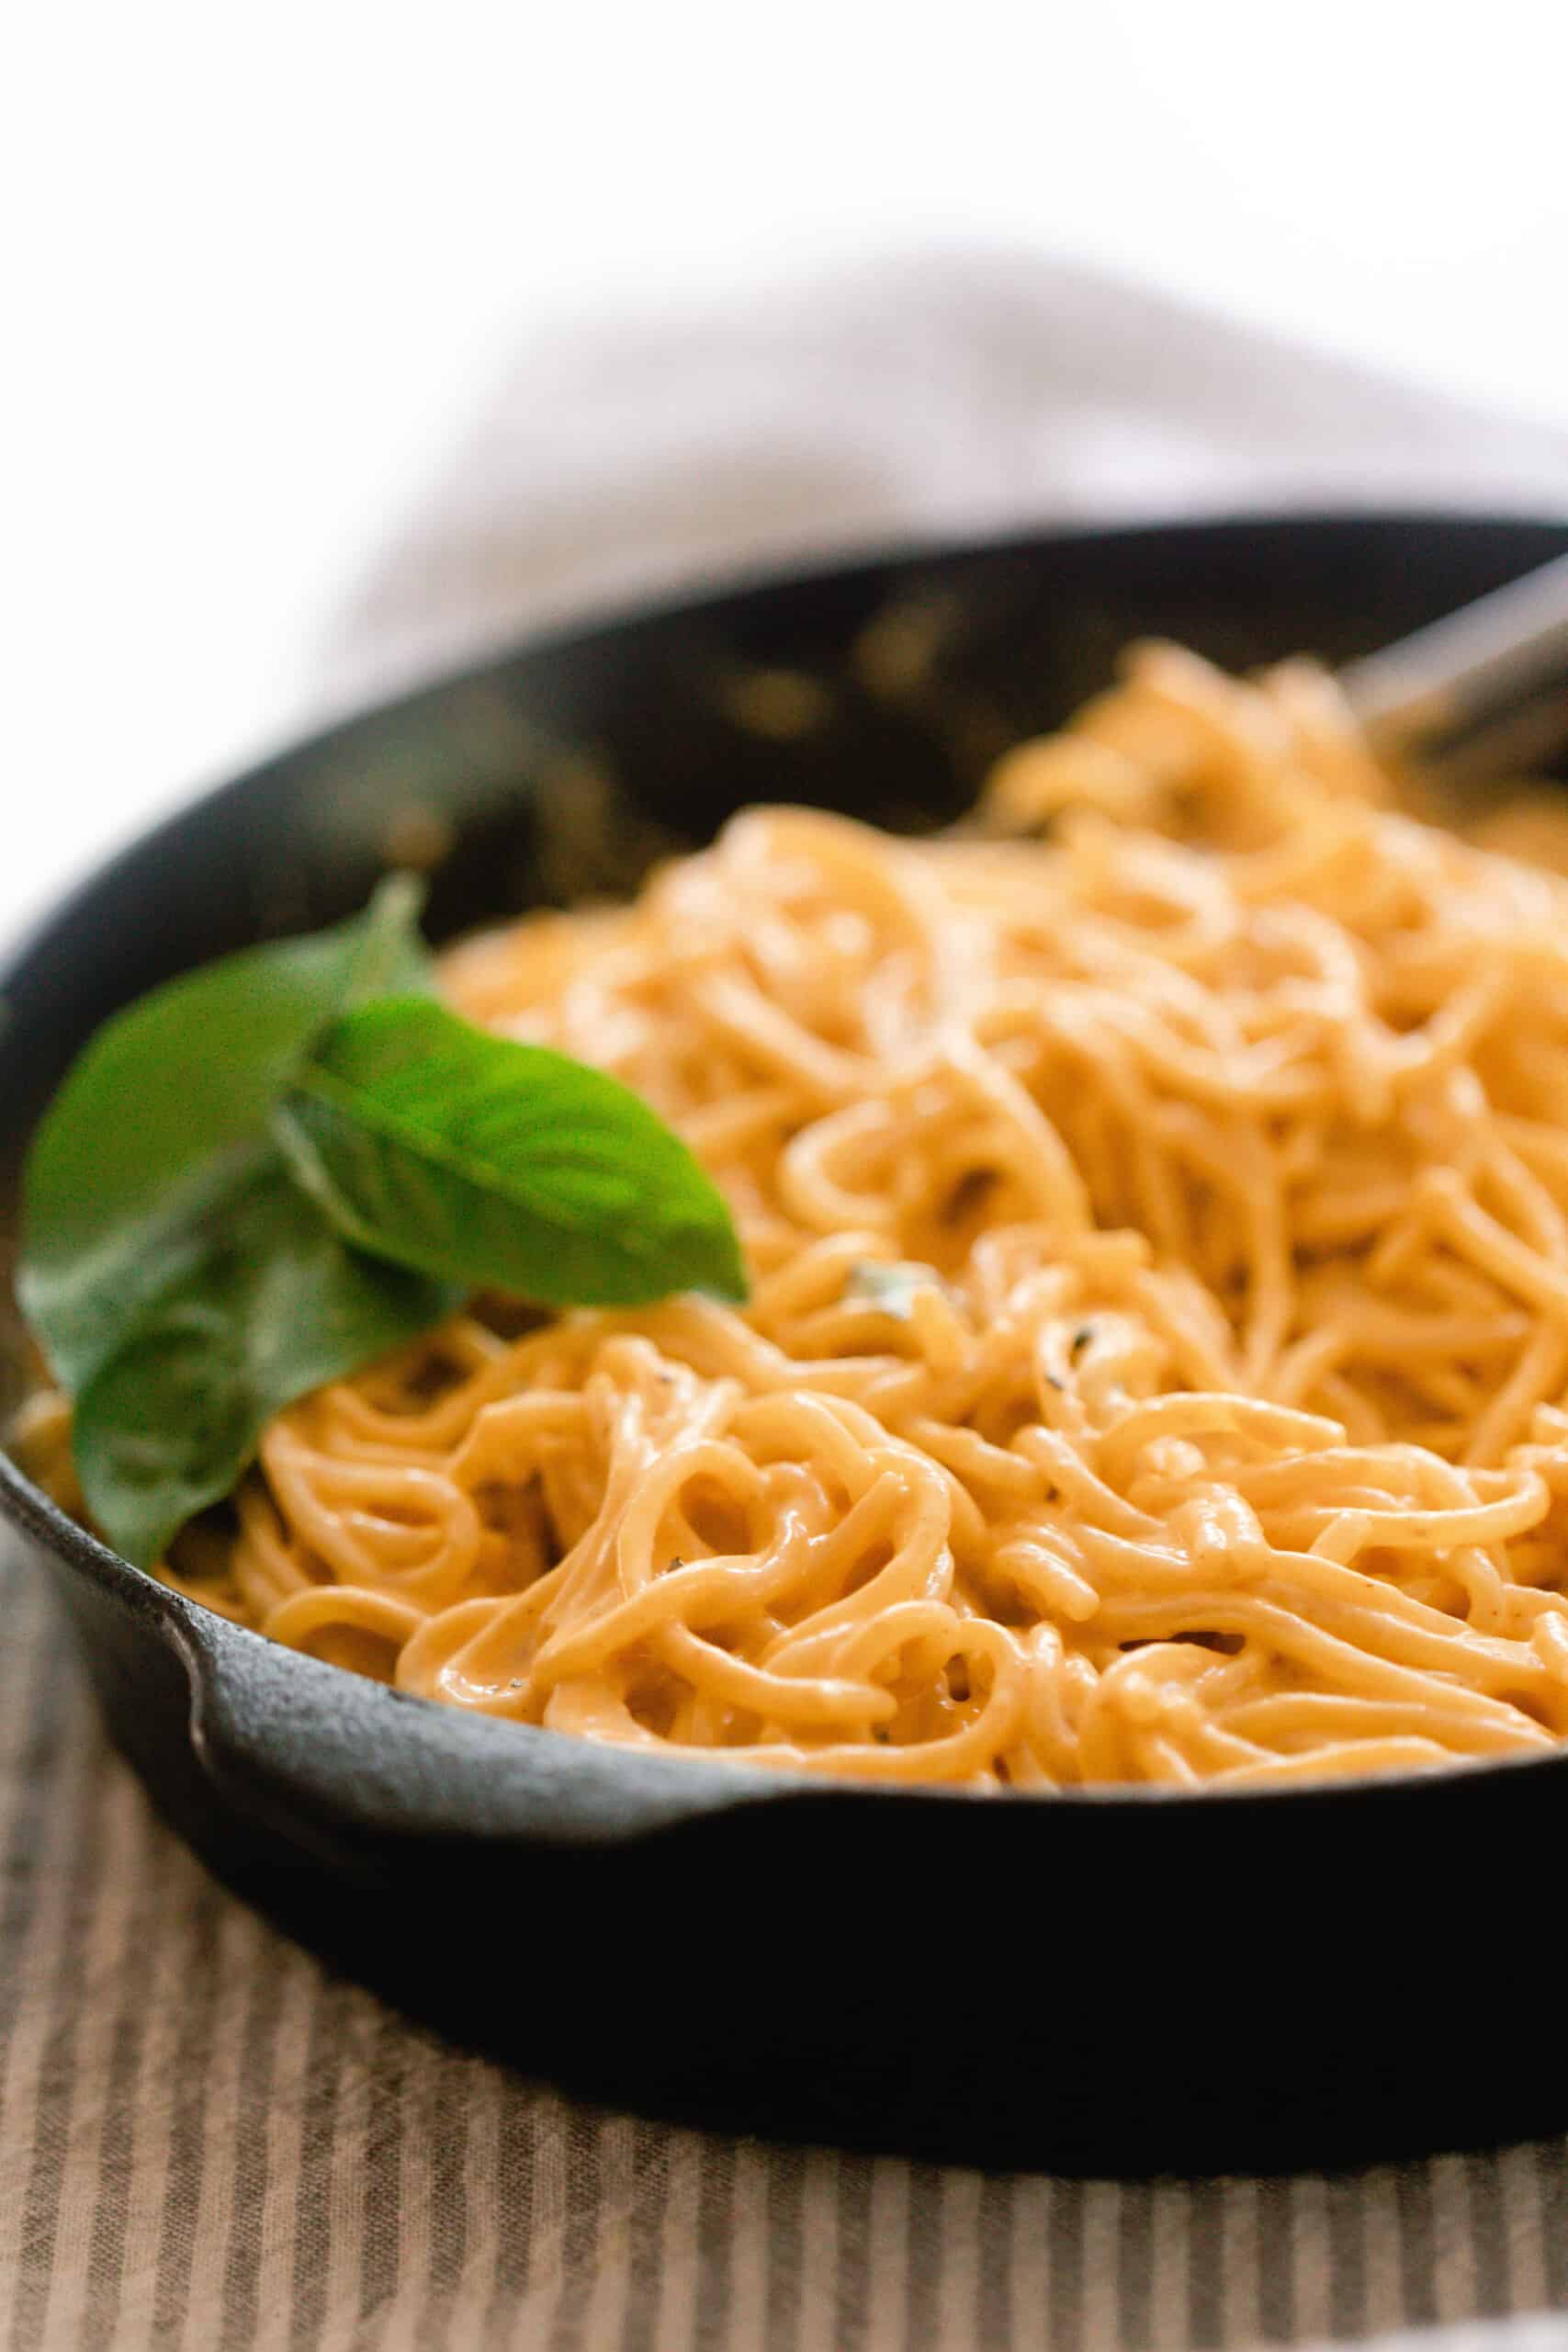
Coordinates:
[352,1772]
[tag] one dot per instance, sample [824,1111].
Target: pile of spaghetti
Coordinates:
[1157,1205]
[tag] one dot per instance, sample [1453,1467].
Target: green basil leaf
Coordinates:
[259,1300]
[145,1135]
[387,954]
[486,1161]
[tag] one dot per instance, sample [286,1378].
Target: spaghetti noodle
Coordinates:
[1156,1363]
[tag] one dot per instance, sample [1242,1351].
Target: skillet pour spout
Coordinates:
[1124,1981]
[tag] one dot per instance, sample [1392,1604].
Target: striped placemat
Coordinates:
[207,2142]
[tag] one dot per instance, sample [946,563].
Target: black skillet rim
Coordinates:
[684,1789]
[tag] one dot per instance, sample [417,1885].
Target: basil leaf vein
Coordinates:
[508,1166]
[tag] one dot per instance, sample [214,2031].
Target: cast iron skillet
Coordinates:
[1125,1981]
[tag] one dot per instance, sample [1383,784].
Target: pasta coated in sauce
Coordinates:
[1156,1364]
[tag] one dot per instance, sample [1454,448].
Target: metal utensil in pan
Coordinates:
[1480,693]
[1472,666]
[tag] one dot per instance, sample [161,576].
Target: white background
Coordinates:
[273,262]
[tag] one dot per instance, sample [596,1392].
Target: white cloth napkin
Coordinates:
[944,394]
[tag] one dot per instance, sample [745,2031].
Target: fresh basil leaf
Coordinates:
[140,1141]
[486,1161]
[259,1300]
[271,1172]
